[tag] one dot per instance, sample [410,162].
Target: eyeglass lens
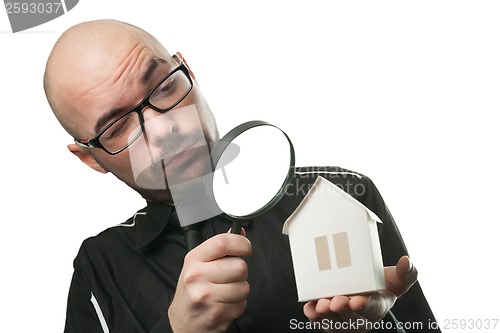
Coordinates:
[127,128]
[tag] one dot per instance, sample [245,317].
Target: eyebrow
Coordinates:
[152,66]
[107,117]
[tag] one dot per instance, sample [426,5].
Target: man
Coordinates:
[137,112]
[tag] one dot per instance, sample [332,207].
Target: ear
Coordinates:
[86,157]
[185,62]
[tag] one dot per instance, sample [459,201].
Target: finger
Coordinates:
[235,292]
[322,306]
[219,246]
[406,270]
[338,304]
[225,270]
[358,302]
[401,277]
[310,311]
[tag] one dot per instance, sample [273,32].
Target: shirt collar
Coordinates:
[158,216]
[156,219]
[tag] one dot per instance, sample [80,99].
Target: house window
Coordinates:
[322,253]
[340,250]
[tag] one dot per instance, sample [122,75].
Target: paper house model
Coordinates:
[334,243]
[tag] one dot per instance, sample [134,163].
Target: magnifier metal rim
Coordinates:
[219,149]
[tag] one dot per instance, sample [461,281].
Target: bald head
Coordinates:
[88,56]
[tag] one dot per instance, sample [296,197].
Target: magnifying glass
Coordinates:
[250,184]
[252,165]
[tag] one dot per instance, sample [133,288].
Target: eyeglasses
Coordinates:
[124,130]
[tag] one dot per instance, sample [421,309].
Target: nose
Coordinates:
[158,126]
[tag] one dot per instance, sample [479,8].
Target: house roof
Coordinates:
[322,182]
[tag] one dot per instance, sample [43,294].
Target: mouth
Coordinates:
[183,157]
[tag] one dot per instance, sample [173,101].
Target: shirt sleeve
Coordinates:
[92,308]
[83,314]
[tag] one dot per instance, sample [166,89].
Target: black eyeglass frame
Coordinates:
[95,143]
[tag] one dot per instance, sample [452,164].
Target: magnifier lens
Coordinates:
[248,183]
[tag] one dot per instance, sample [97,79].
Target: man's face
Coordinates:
[173,146]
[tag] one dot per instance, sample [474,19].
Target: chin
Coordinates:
[163,183]
[193,173]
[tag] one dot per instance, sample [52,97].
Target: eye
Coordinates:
[166,89]
[171,91]
[118,128]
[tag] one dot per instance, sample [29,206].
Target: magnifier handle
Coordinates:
[193,238]
[236,227]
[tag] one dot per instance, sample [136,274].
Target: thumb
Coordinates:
[406,270]
[399,279]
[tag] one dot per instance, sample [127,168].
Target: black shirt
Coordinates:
[125,277]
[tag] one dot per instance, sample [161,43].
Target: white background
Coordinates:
[402,92]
